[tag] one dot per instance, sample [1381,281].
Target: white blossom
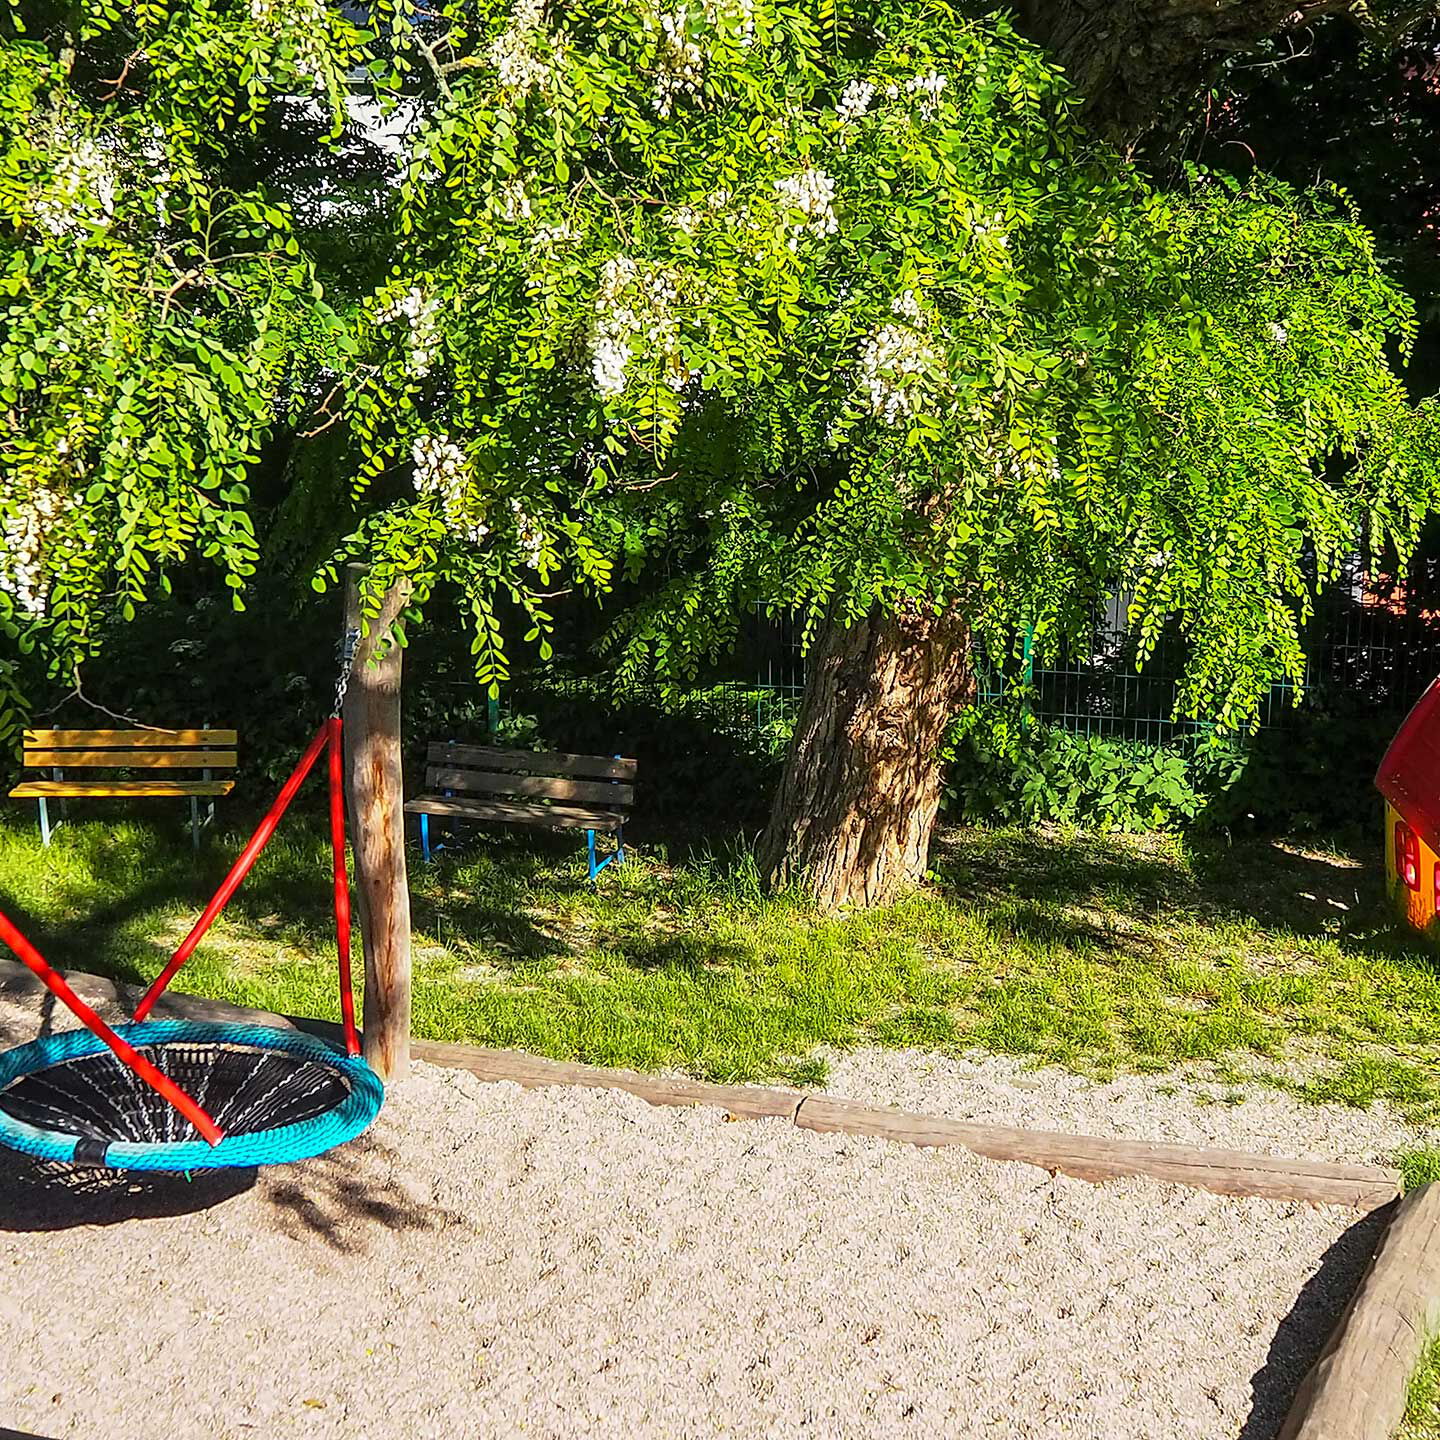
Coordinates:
[855,102]
[1278,332]
[678,60]
[609,358]
[84,182]
[514,202]
[738,14]
[419,310]
[685,219]
[897,366]
[530,536]
[906,305]
[634,304]
[518,62]
[442,471]
[811,192]
[24,527]
[929,86]
[554,237]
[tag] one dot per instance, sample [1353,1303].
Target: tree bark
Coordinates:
[1141,64]
[857,803]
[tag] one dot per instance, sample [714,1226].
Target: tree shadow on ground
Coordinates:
[337,1197]
[695,953]
[1131,885]
[38,1195]
[1304,1331]
[499,915]
[341,1197]
[106,887]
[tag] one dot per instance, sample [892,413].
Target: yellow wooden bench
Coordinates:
[127,750]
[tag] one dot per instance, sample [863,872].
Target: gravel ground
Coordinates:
[495,1263]
[1003,1090]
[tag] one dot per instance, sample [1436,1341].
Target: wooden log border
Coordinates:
[1358,1388]
[1086,1157]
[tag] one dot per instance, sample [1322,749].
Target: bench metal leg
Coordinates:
[617,857]
[44,823]
[425,835]
[195,822]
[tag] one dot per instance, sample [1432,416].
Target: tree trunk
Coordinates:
[857,802]
[1141,64]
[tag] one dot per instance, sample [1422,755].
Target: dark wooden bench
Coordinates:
[156,750]
[593,793]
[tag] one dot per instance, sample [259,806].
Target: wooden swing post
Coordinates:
[377,827]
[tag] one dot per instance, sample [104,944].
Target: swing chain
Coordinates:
[347,646]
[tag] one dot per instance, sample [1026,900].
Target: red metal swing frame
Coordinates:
[327,737]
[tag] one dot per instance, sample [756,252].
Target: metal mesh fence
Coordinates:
[1373,645]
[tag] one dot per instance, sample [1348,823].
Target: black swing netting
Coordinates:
[245,1090]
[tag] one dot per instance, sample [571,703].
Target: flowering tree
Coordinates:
[151,315]
[833,310]
[846,315]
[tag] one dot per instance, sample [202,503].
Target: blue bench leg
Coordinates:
[616,858]
[44,822]
[425,836]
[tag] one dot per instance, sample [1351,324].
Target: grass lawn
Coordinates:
[1422,1412]
[1100,953]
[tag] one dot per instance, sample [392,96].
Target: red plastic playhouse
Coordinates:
[1409,779]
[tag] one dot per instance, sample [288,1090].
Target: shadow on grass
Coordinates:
[693,953]
[1143,882]
[1303,1332]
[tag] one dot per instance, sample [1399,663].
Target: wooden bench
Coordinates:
[592,793]
[125,750]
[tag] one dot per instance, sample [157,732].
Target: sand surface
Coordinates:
[1184,1109]
[489,1262]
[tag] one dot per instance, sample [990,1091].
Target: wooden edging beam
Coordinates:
[1358,1388]
[1085,1157]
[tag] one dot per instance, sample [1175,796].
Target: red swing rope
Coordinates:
[238,871]
[127,1054]
[342,884]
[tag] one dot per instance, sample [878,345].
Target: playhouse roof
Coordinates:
[1409,775]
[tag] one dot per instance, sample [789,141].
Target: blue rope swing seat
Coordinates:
[277,1095]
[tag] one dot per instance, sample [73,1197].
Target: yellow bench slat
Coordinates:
[75,789]
[140,759]
[127,739]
